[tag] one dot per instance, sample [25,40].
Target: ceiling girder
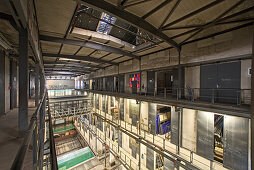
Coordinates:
[64,67]
[193,13]
[130,18]
[221,20]
[71,64]
[87,44]
[214,21]
[156,9]
[170,13]
[66,70]
[77,57]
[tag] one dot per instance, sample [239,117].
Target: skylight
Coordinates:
[104,27]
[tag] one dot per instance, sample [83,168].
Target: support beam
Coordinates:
[156,9]
[82,58]
[170,13]
[85,70]
[36,84]
[2,82]
[193,13]
[66,70]
[23,80]
[88,44]
[71,64]
[252,105]
[130,18]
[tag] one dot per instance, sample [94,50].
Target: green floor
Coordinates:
[74,158]
[63,129]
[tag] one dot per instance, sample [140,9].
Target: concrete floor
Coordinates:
[10,140]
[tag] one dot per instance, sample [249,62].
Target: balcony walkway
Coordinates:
[10,140]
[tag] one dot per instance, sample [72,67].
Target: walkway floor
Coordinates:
[10,140]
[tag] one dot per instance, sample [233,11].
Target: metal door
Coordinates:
[235,142]
[134,87]
[205,134]
[121,83]
[229,78]
[150,82]
[208,82]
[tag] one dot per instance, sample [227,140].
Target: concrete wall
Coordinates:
[192,79]
[60,84]
[238,42]
[189,127]
[7,84]
[246,81]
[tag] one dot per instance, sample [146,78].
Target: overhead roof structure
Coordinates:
[102,33]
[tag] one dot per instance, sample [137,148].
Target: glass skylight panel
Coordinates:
[104,27]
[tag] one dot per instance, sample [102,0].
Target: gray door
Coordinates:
[208,81]
[221,82]
[121,83]
[150,82]
[235,152]
[134,87]
[149,158]
[152,117]
[229,78]
[205,135]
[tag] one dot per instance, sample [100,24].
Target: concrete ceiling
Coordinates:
[55,18]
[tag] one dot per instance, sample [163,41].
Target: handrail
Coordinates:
[38,142]
[19,159]
[53,158]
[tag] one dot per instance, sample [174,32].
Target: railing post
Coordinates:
[35,145]
[212,96]
[165,93]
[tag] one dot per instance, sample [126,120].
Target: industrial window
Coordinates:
[104,27]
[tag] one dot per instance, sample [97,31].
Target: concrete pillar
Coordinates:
[42,84]
[36,84]
[179,75]
[13,83]
[252,106]
[2,82]
[23,80]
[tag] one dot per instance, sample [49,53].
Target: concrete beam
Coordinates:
[2,82]
[23,80]
[130,18]
[76,57]
[88,44]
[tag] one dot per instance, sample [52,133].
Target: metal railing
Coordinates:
[66,93]
[210,95]
[35,136]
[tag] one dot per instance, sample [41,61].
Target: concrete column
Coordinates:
[2,82]
[13,83]
[179,75]
[42,84]
[252,105]
[23,80]
[36,84]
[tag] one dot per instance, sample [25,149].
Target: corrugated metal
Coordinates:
[235,140]
[205,134]
[121,109]
[174,127]
[152,117]
[149,158]
[168,164]
[103,103]
[134,151]
[106,104]
[120,138]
